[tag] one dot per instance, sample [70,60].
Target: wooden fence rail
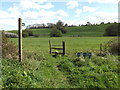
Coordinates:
[55,47]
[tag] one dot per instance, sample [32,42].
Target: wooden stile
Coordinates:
[56,48]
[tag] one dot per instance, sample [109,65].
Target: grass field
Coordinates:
[40,70]
[81,31]
[72,44]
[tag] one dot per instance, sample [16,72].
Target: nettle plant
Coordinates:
[9,49]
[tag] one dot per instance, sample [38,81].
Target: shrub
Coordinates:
[113,46]
[9,49]
[112,30]
[60,26]
[27,32]
[36,35]
[14,75]
[63,30]
[55,32]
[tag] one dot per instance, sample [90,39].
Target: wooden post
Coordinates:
[1,45]
[63,47]
[50,46]
[100,48]
[20,38]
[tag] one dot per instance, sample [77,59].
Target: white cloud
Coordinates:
[72,4]
[101,17]
[35,5]
[35,1]
[3,14]
[88,9]
[78,12]
[61,13]
[40,1]
[9,20]
[47,6]
[106,16]
[103,1]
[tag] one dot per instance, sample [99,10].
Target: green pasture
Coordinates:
[72,43]
[80,31]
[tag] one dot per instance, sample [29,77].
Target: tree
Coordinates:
[102,22]
[112,30]
[66,25]
[55,32]
[60,26]
[88,23]
[27,32]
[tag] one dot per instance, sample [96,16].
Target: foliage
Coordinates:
[41,70]
[15,76]
[112,30]
[9,49]
[94,73]
[27,32]
[113,46]
[83,31]
[63,30]
[55,32]
[60,26]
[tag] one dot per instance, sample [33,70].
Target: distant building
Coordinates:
[36,26]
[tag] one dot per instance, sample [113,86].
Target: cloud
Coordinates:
[35,5]
[62,13]
[106,16]
[99,17]
[9,20]
[103,1]
[72,4]
[88,9]
[78,12]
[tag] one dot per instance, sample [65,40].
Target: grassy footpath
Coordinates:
[61,72]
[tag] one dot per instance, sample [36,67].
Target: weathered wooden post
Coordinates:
[50,46]
[63,47]
[1,44]
[20,38]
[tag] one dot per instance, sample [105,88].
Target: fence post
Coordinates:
[100,48]
[50,46]
[20,38]
[63,47]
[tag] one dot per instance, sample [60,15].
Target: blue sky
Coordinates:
[50,11]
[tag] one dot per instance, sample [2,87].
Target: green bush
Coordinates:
[113,46]
[27,32]
[63,30]
[15,76]
[112,30]
[9,49]
[55,32]
[60,26]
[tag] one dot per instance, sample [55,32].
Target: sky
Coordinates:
[50,11]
